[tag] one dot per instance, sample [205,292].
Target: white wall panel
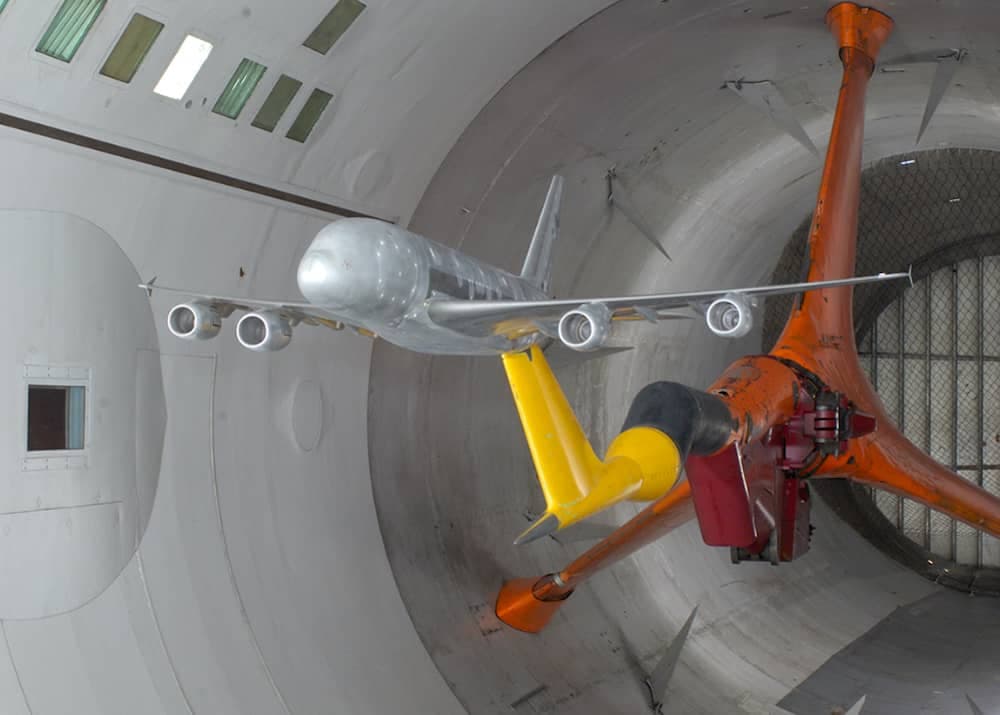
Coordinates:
[184,626]
[11,695]
[54,671]
[185,561]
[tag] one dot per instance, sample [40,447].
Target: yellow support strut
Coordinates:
[642,463]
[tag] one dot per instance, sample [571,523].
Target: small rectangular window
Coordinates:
[69,28]
[56,417]
[241,85]
[131,48]
[303,125]
[277,102]
[184,67]
[335,24]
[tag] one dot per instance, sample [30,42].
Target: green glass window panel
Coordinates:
[69,28]
[241,85]
[3,4]
[131,48]
[335,24]
[277,102]
[303,125]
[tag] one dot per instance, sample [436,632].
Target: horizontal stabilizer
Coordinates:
[542,527]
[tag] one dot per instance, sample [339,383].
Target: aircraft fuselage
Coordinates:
[381,277]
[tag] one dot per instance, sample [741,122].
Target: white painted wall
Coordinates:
[71,520]
[261,585]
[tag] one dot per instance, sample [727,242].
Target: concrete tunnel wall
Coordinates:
[261,584]
[638,88]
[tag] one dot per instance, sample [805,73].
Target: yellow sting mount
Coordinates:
[642,463]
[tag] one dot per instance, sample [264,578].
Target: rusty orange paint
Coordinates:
[819,337]
[819,334]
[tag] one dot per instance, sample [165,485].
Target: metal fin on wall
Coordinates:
[856,708]
[620,200]
[976,710]
[765,96]
[948,61]
[659,679]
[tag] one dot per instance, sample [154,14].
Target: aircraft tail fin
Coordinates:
[641,464]
[538,263]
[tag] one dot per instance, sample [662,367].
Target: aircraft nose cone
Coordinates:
[332,277]
[361,268]
[314,269]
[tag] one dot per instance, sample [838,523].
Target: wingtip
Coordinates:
[545,526]
[148,286]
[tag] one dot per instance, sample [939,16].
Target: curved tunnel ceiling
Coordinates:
[331,523]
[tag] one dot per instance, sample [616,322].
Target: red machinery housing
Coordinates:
[754,498]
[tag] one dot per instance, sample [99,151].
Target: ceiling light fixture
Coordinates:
[274,107]
[303,125]
[131,48]
[335,24]
[184,67]
[241,85]
[69,28]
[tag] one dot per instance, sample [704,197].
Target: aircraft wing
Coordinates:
[305,313]
[511,318]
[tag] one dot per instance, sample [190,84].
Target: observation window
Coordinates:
[56,417]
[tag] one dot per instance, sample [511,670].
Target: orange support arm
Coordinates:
[819,338]
[528,604]
[819,335]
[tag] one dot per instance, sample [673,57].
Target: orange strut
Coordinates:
[529,604]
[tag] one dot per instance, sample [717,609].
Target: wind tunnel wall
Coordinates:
[641,88]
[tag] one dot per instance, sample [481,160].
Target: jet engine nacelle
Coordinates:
[586,328]
[730,316]
[194,321]
[263,331]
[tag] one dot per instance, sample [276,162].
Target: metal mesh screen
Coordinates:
[931,351]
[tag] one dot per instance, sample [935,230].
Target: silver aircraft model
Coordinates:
[384,281]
